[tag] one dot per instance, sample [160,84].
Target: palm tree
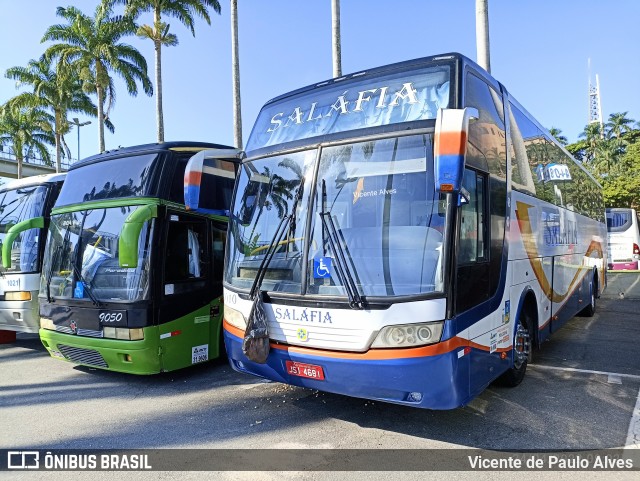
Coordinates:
[91,46]
[593,135]
[557,134]
[59,92]
[158,33]
[26,130]
[618,124]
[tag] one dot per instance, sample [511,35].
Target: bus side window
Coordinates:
[186,249]
[472,245]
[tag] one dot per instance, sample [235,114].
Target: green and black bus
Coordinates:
[132,275]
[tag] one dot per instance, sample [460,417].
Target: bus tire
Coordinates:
[522,355]
[590,309]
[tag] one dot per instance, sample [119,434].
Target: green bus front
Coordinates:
[132,283]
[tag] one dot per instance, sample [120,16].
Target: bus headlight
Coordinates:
[123,333]
[47,323]
[235,318]
[409,335]
[17,296]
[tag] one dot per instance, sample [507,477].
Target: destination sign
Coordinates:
[354,104]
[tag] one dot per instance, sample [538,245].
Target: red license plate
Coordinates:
[300,369]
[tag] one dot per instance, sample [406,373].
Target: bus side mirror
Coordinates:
[13,232]
[130,234]
[450,147]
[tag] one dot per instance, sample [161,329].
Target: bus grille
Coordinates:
[83,356]
[81,332]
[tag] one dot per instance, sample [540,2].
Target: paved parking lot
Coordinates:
[580,393]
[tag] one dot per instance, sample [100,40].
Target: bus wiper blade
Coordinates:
[92,296]
[355,300]
[273,246]
[285,222]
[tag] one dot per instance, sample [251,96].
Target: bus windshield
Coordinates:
[16,206]
[131,176]
[82,260]
[382,229]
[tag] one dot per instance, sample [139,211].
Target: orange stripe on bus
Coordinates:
[192,177]
[451,143]
[375,354]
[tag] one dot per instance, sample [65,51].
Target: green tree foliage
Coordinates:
[622,186]
[58,92]
[92,46]
[27,131]
[613,157]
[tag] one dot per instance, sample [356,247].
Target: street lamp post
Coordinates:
[79,124]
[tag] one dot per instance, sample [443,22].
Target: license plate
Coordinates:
[300,369]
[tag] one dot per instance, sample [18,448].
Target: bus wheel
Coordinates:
[590,310]
[522,347]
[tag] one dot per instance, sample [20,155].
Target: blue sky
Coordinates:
[539,51]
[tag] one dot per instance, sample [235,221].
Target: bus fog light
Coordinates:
[47,323]
[414,397]
[234,317]
[17,296]
[409,335]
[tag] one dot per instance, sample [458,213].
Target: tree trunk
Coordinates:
[336,39]
[58,126]
[158,53]
[482,34]
[235,63]
[100,93]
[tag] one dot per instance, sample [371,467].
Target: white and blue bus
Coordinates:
[25,209]
[411,233]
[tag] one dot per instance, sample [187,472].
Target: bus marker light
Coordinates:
[503,355]
[17,296]
[467,350]
[170,334]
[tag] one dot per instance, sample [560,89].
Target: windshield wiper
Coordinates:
[285,223]
[355,300]
[92,296]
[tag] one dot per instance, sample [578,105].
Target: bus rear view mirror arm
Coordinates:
[13,232]
[450,147]
[130,234]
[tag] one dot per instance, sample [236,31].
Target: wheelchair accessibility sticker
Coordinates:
[321,267]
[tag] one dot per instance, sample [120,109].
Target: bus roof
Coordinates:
[33,180]
[180,146]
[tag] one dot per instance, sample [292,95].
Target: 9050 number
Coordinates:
[110,317]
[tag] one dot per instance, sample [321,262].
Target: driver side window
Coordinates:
[472,244]
[186,252]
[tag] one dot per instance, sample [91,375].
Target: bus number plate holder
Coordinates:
[300,369]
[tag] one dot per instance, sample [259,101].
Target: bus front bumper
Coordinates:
[433,382]
[132,357]
[20,316]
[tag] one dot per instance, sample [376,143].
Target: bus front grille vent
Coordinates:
[83,356]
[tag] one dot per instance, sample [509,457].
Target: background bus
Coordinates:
[25,206]
[624,239]
[401,250]
[132,276]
